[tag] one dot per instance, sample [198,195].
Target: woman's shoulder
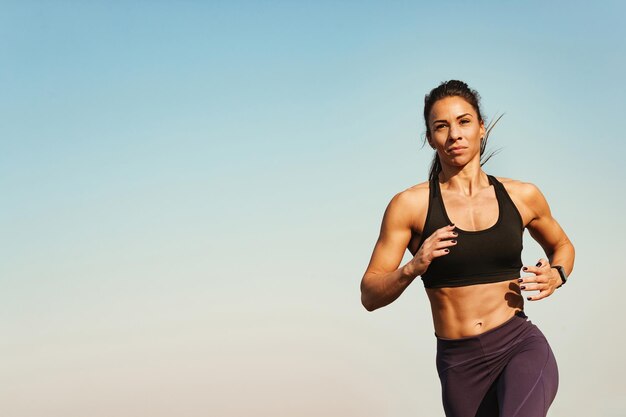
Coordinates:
[412,199]
[526,191]
[409,206]
[415,193]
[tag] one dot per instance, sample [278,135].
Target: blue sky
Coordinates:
[191,193]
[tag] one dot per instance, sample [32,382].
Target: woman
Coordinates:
[464,229]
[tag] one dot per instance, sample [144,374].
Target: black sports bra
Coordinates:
[479,257]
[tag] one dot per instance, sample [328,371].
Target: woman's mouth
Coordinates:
[456,149]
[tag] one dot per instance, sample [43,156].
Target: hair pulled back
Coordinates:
[454,88]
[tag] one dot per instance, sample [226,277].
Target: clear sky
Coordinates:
[191,192]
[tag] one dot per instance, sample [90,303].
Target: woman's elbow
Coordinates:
[367,304]
[366,299]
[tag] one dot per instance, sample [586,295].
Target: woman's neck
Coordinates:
[464,181]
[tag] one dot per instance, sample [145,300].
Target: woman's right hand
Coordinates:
[434,246]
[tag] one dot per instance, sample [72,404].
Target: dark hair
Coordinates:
[455,88]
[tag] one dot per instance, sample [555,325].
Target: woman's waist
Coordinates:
[492,346]
[460,312]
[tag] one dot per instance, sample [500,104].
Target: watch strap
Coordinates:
[562,273]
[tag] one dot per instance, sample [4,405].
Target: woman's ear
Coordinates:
[429,141]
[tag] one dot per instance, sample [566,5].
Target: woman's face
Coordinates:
[455,131]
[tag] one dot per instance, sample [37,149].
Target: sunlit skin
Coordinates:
[471,204]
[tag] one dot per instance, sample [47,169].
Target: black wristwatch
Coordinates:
[561,273]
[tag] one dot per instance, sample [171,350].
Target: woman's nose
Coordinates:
[454,132]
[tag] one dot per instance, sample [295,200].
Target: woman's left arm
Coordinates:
[548,233]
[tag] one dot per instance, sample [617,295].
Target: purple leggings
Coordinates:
[507,371]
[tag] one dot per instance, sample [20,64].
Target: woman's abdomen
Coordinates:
[471,310]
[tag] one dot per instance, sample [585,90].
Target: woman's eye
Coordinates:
[438,127]
[465,121]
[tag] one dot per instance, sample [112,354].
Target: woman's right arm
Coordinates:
[383,281]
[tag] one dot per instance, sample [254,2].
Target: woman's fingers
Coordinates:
[541,266]
[529,279]
[540,281]
[443,239]
[543,288]
[542,294]
[444,243]
[446,232]
[443,233]
[440,252]
[438,243]
[440,249]
[534,287]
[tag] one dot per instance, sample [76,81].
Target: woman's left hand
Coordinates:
[545,280]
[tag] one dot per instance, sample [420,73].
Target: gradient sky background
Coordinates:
[191,193]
